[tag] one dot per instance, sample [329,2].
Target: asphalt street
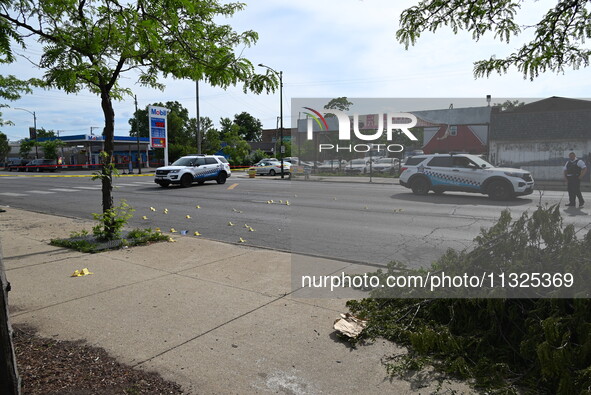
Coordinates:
[359,222]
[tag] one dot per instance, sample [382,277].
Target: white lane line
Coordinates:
[90,188]
[124,185]
[64,190]
[41,192]
[12,194]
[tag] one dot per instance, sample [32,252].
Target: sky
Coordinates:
[325,49]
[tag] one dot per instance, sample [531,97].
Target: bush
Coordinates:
[540,345]
[144,236]
[112,221]
[255,157]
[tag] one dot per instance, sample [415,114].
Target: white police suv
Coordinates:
[194,168]
[463,172]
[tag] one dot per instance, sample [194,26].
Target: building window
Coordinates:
[453,130]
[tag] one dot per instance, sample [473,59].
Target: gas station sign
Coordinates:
[158,126]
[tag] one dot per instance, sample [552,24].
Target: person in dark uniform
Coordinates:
[574,171]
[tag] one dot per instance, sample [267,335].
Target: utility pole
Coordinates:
[36,143]
[34,129]
[199,140]
[281,146]
[137,133]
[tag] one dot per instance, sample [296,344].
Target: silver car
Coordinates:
[271,168]
[384,165]
[356,166]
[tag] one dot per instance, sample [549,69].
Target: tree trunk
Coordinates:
[107,155]
[9,379]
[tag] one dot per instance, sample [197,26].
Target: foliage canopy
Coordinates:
[4,146]
[88,44]
[559,38]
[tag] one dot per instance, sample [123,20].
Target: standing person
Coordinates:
[574,171]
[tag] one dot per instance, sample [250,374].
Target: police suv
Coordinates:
[463,172]
[194,168]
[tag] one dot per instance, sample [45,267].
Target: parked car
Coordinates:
[415,152]
[16,164]
[271,168]
[40,165]
[267,160]
[194,168]
[384,165]
[330,165]
[356,166]
[466,173]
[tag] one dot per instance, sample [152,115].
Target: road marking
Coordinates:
[91,188]
[124,185]
[13,194]
[232,186]
[41,192]
[64,190]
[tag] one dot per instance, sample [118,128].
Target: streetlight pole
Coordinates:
[34,127]
[137,132]
[281,147]
[199,137]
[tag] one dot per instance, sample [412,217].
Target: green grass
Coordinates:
[84,242]
[78,245]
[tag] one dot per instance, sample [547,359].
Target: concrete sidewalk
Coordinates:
[216,318]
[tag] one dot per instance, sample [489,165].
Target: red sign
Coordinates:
[158,142]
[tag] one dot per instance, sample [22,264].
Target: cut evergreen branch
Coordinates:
[507,345]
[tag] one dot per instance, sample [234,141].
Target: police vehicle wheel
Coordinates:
[186,180]
[420,186]
[499,190]
[272,172]
[221,178]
